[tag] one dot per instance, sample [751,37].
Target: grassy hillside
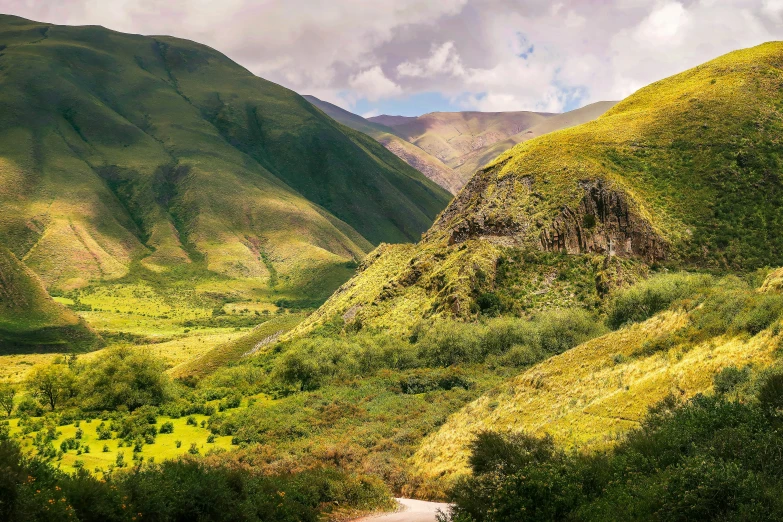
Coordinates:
[684,173]
[590,396]
[30,320]
[262,337]
[119,148]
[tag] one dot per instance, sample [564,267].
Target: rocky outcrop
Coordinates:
[605,222]
[485,217]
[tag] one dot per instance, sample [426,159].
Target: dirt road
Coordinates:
[411,511]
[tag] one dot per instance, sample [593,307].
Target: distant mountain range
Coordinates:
[448,147]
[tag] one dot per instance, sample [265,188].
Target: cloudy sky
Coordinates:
[413,56]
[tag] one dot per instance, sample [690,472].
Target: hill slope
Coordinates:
[462,141]
[451,135]
[587,397]
[685,172]
[116,148]
[473,161]
[417,158]
[30,319]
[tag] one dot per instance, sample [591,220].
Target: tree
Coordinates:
[7,394]
[125,376]
[52,383]
[295,368]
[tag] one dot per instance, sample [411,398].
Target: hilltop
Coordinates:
[123,153]
[30,319]
[448,147]
[683,173]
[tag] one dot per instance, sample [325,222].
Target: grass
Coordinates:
[164,448]
[261,337]
[588,397]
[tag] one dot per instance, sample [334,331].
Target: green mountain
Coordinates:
[448,147]
[685,173]
[117,149]
[30,319]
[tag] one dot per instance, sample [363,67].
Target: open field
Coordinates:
[165,446]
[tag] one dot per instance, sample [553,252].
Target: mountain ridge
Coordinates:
[164,152]
[464,140]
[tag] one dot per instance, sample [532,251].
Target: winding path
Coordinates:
[410,511]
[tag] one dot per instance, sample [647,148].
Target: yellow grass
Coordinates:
[592,394]
[164,448]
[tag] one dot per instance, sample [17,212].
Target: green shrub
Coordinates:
[771,393]
[29,406]
[645,299]
[708,459]
[759,313]
[422,381]
[450,342]
[167,427]
[124,376]
[729,378]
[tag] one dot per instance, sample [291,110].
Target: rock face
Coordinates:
[604,223]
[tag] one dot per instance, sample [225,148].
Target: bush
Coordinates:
[175,490]
[124,376]
[759,313]
[647,298]
[771,393]
[729,378]
[422,381]
[167,427]
[708,459]
[30,407]
[450,342]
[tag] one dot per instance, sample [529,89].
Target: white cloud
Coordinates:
[370,113]
[373,84]
[443,60]
[664,26]
[774,9]
[482,54]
